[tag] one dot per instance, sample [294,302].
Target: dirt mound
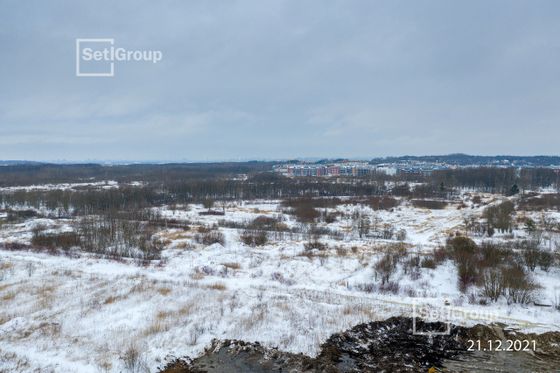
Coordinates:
[392,346]
[239,356]
[383,346]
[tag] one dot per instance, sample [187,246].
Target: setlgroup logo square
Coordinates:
[93,57]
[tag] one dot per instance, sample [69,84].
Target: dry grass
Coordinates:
[185,309]
[217,286]
[165,291]
[184,245]
[111,299]
[6,265]
[142,287]
[4,319]
[51,329]
[104,364]
[162,315]
[197,275]
[341,251]
[159,323]
[8,296]
[166,242]
[282,305]
[232,265]
[173,236]
[366,312]
[314,254]
[45,296]
[157,326]
[257,317]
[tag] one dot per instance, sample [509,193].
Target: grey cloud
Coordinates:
[279,79]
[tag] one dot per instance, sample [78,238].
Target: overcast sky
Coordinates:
[269,79]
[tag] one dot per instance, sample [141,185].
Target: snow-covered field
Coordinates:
[85,314]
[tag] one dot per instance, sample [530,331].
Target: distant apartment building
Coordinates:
[342,169]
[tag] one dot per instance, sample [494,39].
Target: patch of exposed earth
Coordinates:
[385,346]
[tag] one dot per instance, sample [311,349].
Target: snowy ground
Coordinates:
[83,314]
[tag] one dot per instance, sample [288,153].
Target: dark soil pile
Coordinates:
[381,346]
[391,346]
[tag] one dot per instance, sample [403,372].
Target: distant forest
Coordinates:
[187,183]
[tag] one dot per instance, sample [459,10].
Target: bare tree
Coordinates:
[493,284]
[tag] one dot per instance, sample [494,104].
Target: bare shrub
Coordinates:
[193,335]
[493,284]
[20,215]
[204,229]
[383,203]
[315,245]
[210,238]
[467,273]
[429,204]
[387,231]
[531,253]
[439,255]
[492,255]
[303,209]
[499,216]
[366,288]
[330,217]
[268,223]
[30,268]
[400,235]
[428,262]
[401,190]
[410,292]
[134,360]
[341,251]
[415,274]
[473,298]
[519,287]
[464,251]
[119,235]
[208,203]
[540,202]
[277,276]
[65,241]
[385,267]
[254,238]
[362,225]
[205,270]
[412,263]
[461,246]
[14,246]
[389,287]
[546,260]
